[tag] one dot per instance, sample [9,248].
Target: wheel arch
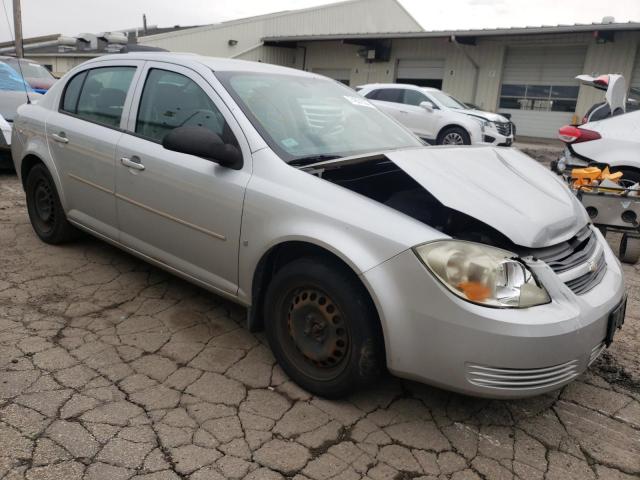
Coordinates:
[284,252]
[452,125]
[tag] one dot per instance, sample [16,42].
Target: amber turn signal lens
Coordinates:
[475,291]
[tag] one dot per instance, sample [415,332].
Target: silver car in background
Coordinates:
[353,246]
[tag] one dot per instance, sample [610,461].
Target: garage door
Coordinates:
[539,89]
[422,72]
[342,75]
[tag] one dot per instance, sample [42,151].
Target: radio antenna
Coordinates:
[11,33]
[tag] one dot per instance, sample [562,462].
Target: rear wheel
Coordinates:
[322,327]
[454,136]
[45,210]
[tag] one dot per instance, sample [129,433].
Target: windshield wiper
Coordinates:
[309,159]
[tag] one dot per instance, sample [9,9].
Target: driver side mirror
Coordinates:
[428,106]
[204,143]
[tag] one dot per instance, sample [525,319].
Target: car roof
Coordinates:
[399,85]
[215,63]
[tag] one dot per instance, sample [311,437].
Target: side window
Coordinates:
[394,95]
[102,92]
[170,100]
[72,93]
[413,97]
[372,95]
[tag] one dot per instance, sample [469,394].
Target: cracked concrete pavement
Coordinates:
[112,369]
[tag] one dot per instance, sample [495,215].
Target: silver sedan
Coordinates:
[355,247]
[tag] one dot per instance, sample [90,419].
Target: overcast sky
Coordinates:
[70,17]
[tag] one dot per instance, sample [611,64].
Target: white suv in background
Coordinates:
[438,117]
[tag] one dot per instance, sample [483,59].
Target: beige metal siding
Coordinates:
[360,16]
[610,57]
[635,76]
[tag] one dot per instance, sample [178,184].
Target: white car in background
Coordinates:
[437,117]
[608,136]
[613,141]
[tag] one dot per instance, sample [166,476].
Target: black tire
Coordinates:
[453,132]
[45,210]
[629,249]
[323,328]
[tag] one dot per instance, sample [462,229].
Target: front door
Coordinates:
[82,137]
[179,209]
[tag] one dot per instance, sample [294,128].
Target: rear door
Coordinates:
[179,209]
[401,104]
[389,100]
[82,137]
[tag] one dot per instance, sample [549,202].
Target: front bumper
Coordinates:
[491,136]
[434,337]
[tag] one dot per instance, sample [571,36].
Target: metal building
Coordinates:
[527,72]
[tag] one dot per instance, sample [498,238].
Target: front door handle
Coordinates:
[60,137]
[133,162]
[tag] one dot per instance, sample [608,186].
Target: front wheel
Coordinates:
[322,327]
[454,136]
[45,210]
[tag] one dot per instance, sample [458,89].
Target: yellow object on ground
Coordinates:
[593,176]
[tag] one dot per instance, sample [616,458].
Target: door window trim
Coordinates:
[209,90]
[132,121]
[137,65]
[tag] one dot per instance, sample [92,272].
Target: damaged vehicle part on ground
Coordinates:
[351,243]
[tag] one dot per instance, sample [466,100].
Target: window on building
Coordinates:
[102,95]
[544,98]
[170,100]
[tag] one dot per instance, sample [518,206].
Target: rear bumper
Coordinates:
[436,338]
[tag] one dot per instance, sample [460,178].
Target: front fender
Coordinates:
[284,204]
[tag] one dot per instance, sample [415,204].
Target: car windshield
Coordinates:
[447,100]
[30,69]
[306,117]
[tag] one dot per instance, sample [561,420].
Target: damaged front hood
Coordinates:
[492,117]
[501,187]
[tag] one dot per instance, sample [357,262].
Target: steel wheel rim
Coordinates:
[44,205]
[318,339]
[453,138]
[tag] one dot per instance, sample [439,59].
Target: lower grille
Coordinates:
[504,128]
[523,379]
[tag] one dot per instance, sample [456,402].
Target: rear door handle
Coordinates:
[133,162]
[60,137]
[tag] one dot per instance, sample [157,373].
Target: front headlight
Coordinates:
[482,274]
